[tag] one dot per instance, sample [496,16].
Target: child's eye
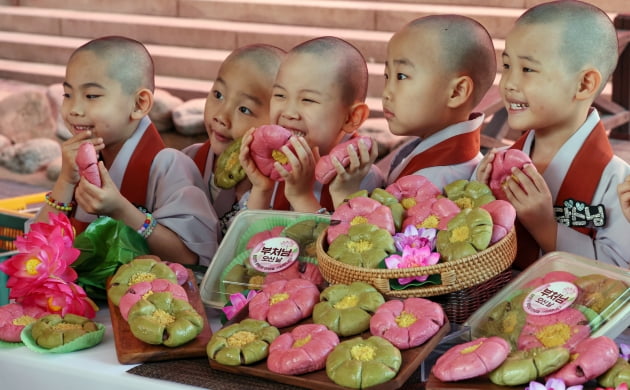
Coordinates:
[386,76]
[308,100]
[401,76]
[66,95]
[92,96]
[278,95]
[245,110]
[217,95]
[527,70]
[506,66]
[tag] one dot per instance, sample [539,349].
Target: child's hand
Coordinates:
[261,186]
[484,170]
[106,200]
[623,190]
[348,181]
[529,194]
[69,170]
[300,180]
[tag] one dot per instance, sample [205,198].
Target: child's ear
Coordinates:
[359,112]
[461,90]
[590,81]
[143,104]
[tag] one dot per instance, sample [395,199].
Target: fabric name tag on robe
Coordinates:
[578,214]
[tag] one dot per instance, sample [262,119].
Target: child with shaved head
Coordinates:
[438,68]
[238,101]
[556,61]
[319,94]
[108,93]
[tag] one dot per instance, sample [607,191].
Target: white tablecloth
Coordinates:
[95,368]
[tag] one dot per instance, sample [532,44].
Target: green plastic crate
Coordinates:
[11,226]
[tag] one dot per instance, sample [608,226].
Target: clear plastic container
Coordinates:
[232,250]
[544,289]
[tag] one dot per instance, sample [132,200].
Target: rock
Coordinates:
[25,115]
[162,112]
[55,92]
[188,117]
[53,169]
[31,155]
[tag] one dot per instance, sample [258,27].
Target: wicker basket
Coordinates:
[455,275]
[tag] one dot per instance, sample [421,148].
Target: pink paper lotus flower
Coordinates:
[360,210]
[551,384]
[415,238]
[238,302]
[58,297]
[413,189]
[432,213]
[413,257]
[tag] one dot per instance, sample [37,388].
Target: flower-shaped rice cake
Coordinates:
[143,269]
[617,375]
[522,367]
[304,349]
[549,277]
[564,328]
[590,358]
[264,235]
[297,270]
[14,317]
[87,162]
[468,194]
[347,309]
[506,319]
[471,359]
[389,200]
[502,164]
[503,217]
[325,171]
[162,319]
[265,149]
[408,323]
[244,343]
[467,233]
[432,214]
[142,290]
[358,211]
[364,245]
[284,302]
[229,171]
[598,292]
[53,330]
[413,189]
[360,363]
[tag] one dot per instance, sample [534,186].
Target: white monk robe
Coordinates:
[176,196]
[612,241]
[440,174]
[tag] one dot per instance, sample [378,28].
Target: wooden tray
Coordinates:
[480,383]
[318,380]
[130,349]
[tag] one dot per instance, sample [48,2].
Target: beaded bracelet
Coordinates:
[147,226]
[61,206]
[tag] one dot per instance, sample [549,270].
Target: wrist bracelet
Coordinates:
[61,206]
[147,226]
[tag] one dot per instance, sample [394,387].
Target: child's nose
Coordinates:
[76,108]
[221,117]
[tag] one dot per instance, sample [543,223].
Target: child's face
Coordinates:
[94,101]
[307,99]
[535,85]
[415,93]
[238,101]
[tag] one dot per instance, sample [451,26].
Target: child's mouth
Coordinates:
[518,106]
[82,128]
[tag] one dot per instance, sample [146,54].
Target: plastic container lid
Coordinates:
[547,287]
[232,248]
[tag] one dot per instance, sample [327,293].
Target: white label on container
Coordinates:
[550,298]
[274,254]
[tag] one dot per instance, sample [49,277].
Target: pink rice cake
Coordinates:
[14,317]
[265,149]
[141,290]
[325,171]
[472,359]
[590,358]
[304,349]
[297,270]
[87,161]
[565,328]
[504,161]
[264,235]
[408,323]
[284,302]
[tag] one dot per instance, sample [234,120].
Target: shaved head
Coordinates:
[588,37]
[267,58]
[352,74]
[466,49]
[128,60]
